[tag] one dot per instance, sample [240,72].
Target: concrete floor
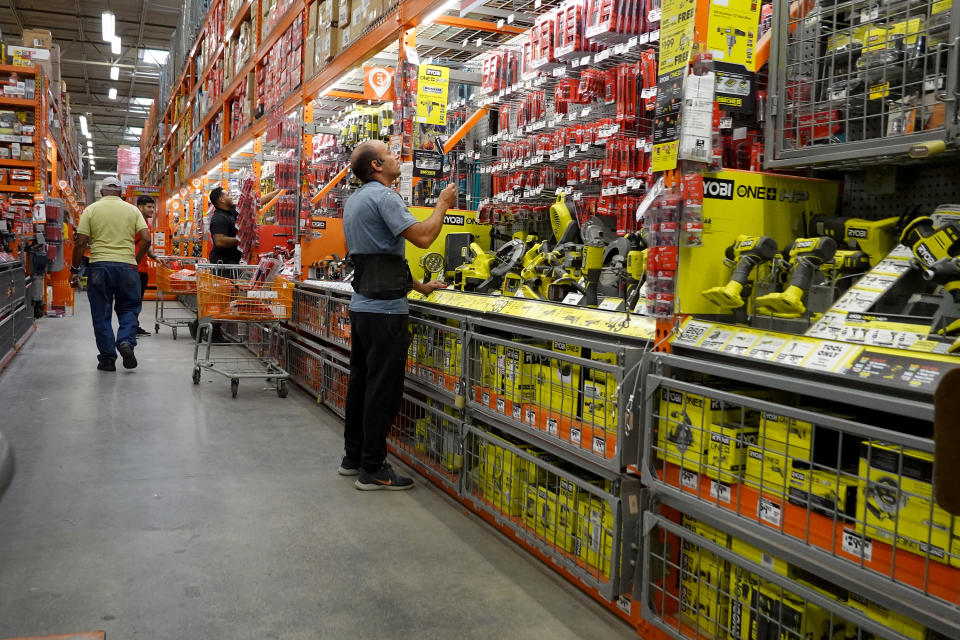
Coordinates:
[152,508]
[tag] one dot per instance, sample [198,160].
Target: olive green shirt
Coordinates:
[112,226]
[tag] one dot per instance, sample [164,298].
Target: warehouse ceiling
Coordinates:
[86,60]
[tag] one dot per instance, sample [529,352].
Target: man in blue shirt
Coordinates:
[376,223]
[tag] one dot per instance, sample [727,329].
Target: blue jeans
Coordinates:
[115,284]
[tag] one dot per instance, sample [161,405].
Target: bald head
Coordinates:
[363,158]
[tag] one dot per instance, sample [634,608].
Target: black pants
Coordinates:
[378,357]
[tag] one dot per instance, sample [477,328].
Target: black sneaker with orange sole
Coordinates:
[385,478]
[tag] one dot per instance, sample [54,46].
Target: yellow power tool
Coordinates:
[744,255]
[935,252]
[876,238]
[805,255]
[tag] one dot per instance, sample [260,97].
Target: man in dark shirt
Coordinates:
[225,250]
[223,229]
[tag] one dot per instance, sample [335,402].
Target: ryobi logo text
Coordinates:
[720,189]
[456,220]
[854,232]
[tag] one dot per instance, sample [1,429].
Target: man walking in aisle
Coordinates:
[109,227]
[375,223]
[148,208]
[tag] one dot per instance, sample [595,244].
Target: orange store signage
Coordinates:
[378,83]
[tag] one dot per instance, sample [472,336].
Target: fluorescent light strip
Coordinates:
[108,25]
[112,94]
[115,46]
[114,72]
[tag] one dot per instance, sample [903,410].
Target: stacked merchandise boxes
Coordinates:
[282,70]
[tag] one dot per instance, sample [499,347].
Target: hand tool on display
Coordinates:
[876,238]
[805,256]
[846,266]
[431,263]
[596,236]
[745,254]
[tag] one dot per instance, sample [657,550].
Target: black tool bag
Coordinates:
[381,276]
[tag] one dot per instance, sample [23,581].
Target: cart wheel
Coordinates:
[196,375]
[156,328]
[174,331]
[282,390]
[234,385]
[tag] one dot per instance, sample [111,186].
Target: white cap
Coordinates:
[111,183]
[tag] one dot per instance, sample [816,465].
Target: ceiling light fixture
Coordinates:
[109,23]
[112,94]
[115,46]
[114,72]
[83,126]
[446,6]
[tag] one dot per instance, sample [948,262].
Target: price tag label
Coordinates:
[655,36]
[559,72]
[573,298]
[500,24]
[632,42]
[644,38]
[585,112]
[584,60]
[610,304]
[510,19]
[572,153]
[769,511]
[720,491]
[856,545]
[726,123]
[653,15]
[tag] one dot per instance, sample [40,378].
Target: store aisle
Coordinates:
[151,508]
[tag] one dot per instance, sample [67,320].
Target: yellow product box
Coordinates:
[896,502]
[557,394]
[759,556]
[516,370]
[594,534]
[820,491]
[784,434]
[451,448]
[718,451]
[892,619]
[707,531]
[552,518]
[600,404]
[908,29]
[451,361]
[502,479]
[780,615]
[744,587]
[704,599]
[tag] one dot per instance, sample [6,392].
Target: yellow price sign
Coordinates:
[433,83]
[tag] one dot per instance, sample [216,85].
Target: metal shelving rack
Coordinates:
[844,538]
[847,92]
[472,451]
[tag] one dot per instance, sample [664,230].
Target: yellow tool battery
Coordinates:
[895,493]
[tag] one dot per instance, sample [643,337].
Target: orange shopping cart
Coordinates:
[251,295]
[176,276]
